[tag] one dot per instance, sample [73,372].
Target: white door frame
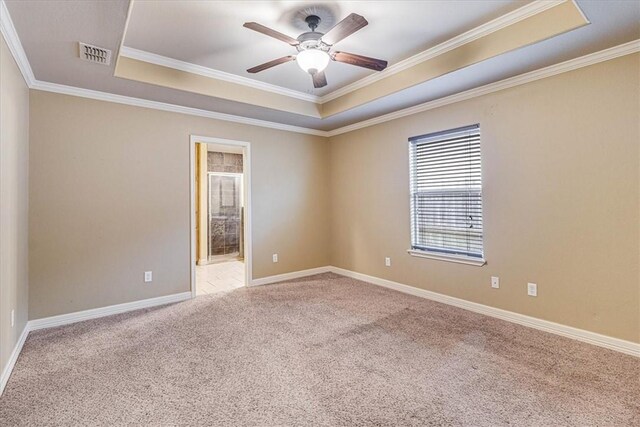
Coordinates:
[246,189]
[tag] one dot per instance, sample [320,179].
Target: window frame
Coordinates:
[441,255]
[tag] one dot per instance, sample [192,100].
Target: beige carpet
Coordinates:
[322,351]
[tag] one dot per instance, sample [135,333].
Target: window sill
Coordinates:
[461,259]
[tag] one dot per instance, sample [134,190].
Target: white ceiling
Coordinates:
[49,32]
[215,38]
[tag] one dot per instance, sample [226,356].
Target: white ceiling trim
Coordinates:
[13,41]
[15,46]
[124,32]
[510,18]
[156,105]
[189,67]
[563,67]
[8,31]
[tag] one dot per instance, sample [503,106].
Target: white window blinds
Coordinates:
[446,192]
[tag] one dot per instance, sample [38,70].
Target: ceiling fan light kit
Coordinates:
[315,48]
[312,60]
[313,53]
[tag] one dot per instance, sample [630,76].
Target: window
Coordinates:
[446,195]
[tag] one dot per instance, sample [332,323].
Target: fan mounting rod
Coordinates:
[312,21]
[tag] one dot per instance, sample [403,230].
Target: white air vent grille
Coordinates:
[94,54]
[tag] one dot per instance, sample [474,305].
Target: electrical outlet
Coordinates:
[148,276]
[275,257]
[532,289]
[13,318]
[387,262]
[495,282]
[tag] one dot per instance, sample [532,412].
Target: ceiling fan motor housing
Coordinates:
[312,39]
[309,36]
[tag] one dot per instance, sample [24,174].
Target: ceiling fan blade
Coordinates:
[271,33]
[319,79]
[360,61]
[270,64]
[344,28]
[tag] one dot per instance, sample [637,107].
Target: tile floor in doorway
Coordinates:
[219,277]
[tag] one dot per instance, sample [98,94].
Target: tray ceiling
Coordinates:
[49,32]
[210,34]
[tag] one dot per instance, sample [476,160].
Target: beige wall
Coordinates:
[109,199]
[14,174]
[561,199]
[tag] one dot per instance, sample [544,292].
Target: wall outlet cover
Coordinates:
[275,257]
[495,282]
[532,289]
[148,276]
[387,262]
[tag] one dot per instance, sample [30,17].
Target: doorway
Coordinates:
[220,205]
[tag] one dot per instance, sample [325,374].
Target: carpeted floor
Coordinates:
[320,351]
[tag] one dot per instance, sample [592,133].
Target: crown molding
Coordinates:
[511,18]
[573,64]
[124,33]
[10,35]
[483,30]
[563,67]
[156,105]
[8,31]
[188,67]
[13,41]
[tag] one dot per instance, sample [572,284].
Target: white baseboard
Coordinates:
[605,341]
[611,343]
[8,368]
[593,338]
[288,276]
[64,319]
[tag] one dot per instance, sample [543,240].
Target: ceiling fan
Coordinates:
[315,48]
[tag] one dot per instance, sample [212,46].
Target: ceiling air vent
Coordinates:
[94,54]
